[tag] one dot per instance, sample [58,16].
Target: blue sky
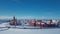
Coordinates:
[34,8]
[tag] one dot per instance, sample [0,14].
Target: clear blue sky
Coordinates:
[37,8]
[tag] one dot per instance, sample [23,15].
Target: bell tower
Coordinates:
[13,21]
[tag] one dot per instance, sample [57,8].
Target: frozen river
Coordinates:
[31,31]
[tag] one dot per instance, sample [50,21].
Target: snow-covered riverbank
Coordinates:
[28,31]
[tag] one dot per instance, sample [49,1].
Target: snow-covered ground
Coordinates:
[29,31]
